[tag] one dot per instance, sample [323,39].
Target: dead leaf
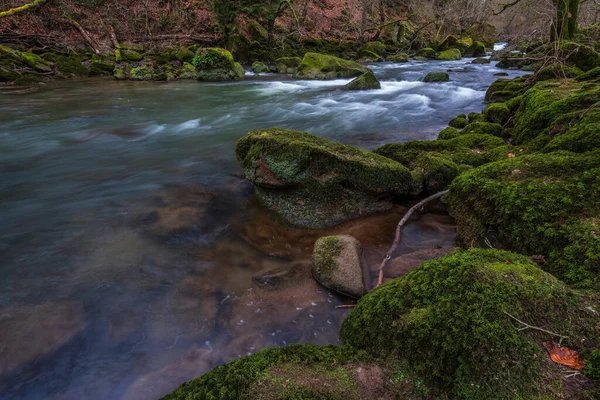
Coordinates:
[564,356]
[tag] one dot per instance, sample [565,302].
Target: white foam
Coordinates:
[191,124]
[500,46]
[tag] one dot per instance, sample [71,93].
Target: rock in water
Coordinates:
[366,81]
[337,265]
[315,183]
[448,55]
[321,66]
[288,65]
[437,77]
[215,64]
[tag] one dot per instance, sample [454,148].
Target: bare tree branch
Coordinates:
[16,10]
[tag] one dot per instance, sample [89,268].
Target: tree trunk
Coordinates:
[573,22]
[566,23]
[16,10]
[363,20]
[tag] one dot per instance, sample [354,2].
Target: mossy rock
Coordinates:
[437,77]
[259,67]
[257,31]
[583,57]
[476,50]
[481,60]
[71,66]
[505,89]
[558,71]
[542,204]
[370,48]
[466,149]
[476,117]
[590,75]
[497,113]
[313,182]
[28,79]
[427,53]
[142,73]
[450,42]
[119,74]
[184,55]
[25,59]
[288,65]
[448,133]
[188,71]
[449,55]
[398,58]
[459,122]
[321,66]
[337,265]
[366,81]
[7,75]
[454,322]
[299,372]
[433,172]
[99,67]
[240,47]
[484,128]
[216,64]
[483,32]
[164,57]
[131,55]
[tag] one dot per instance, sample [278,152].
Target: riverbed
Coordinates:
[133,254]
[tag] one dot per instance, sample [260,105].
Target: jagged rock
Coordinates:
[366,81]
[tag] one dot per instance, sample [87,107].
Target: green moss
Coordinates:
[427,53]
[7,75]
[436,77]
[366,81]
[257,31]
[288,65]
[497,113]
[448,133]
[506,89]
[188,71]
[465,149]
[71,66]
[292,372]
[184,55]
[434,172]
[476,117]
[590,75]
[484,128]
[370,48]
[558,71]
[28,79]
[321,66]
[481,60]
[216,64]
[327,250]
[592,364]
[142,73]
[36,62]
[450,42]
[259,67]
[131,55]
[476,50]
[459,122]
[449,55]
[583,57]
[398,58]
[448,319]
[119,74]
[99,67]
[542,204]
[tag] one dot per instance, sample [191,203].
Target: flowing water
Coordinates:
[133,257]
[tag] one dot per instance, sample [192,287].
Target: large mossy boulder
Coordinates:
[455,323]
[538,204]
[337,265]
[450,42]
[372,48]
[583,57]
[427,53]
[216,64]
[477,49]
[260,68]
[497,113]
[505,89]
[288,65]
[322,66]
[557,71]
[313,182]
[437,77]
[449,55]
[298,372]
[366,81]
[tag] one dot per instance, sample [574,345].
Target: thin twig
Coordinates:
[527,326]
[346,306]
[400,227]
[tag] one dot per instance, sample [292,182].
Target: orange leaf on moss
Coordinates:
[564,356]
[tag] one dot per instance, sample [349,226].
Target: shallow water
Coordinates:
[134,258]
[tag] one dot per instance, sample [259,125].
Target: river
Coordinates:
[133,255]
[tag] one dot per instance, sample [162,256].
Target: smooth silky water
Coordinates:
[133,256]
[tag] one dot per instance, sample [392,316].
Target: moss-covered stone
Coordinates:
[459,122]
[99,67]
[558,71]
[366,81]
[288,65]
[467,149]
[484,128]
[142,73]
[216,64]
[257,31]
[450,42]
[131,55]
[119,74]
[437,77]
[583,57]
[25,59]
[497,113]
[449,55]
[505,89]
[184,55]
[370,48]
[481,60]
[427,53]
[483,32]
[259,68]
[448,133]
[543,204]
[454,321]
[8,75]
[476,50]
[71,66]
[433,172]
[476,117]
[398,58]
[188,71]
[296,372]
[590,75]
[312,182]
[337,265]
[321,66]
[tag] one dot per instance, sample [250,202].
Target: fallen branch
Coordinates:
[400,227]
[346,306]
[16,10]
[91,42]
[527,326]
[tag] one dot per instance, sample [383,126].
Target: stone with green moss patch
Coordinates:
[448,133]
[558,71]
[366,81]
[313,182]
[370,48]
[453,320]
[216,64]
[288,65]
[142,73]
[119,74]
[476,50]
[583,57]
[497,113]
[398,58]
[481,60]
[459,122]
[337,265]
[436,77]
[449,55]
[131,55]
[321,66]
[259,67]
[426,53]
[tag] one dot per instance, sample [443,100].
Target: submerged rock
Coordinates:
[454,322]
[314,183]
[322,66]
[216,64]
[436,77]
[337,265]
[481,60]
[366,81]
